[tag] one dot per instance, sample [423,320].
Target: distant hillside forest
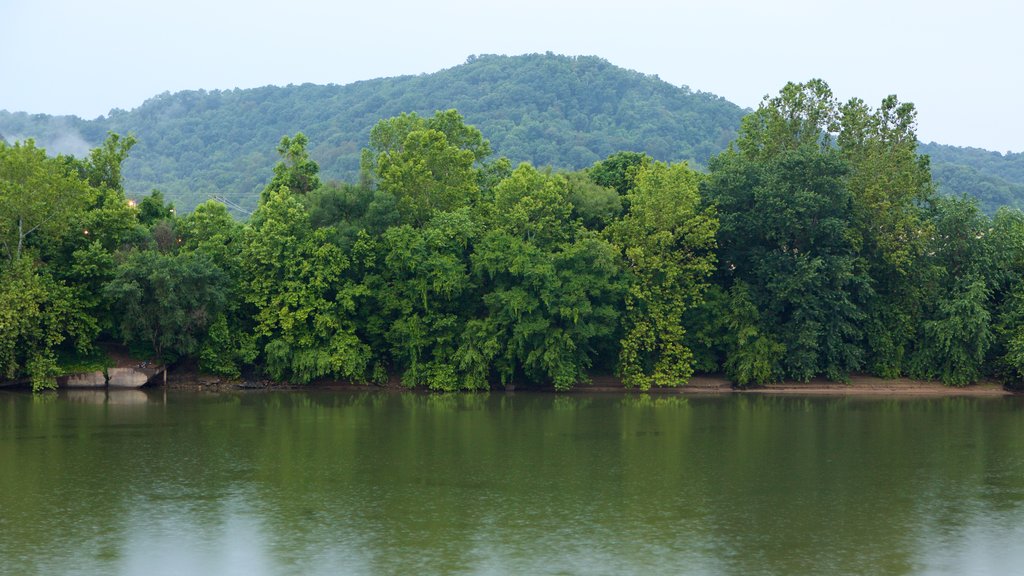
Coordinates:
[994,179]
[545,109]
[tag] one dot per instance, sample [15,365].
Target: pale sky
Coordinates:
[959,62]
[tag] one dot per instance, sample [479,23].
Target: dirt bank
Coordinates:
[184,379]
[858,385]
[870,385]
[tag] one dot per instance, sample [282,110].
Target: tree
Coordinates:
[890,185]
[427,164]
[786,214]
[152,209]
[304,305]
[955,332]
[596,206]
[551,288]
[419,295]
[37,196]
[229,343]
[37,315]
[428,175]
[753,357]
[668,242]
[166,301]
[104,167]
[295,170]
[802,115]
[619,171]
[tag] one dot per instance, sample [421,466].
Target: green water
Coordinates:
[378,483]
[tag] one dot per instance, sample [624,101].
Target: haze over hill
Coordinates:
[549,110]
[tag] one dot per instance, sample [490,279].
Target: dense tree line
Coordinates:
[814,245]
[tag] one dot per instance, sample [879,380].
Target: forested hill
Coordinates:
[566,112]
[994,179]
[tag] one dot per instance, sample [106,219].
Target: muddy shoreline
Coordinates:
[858,385]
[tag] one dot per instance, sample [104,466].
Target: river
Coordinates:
[156,482]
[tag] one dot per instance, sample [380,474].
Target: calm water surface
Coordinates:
[378,483]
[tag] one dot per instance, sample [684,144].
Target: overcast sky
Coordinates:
[960,63]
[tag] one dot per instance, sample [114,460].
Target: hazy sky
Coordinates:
[959,62]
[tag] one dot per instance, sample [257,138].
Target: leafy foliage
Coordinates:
[37,315]
[166,300]
[303,307]
[668,241]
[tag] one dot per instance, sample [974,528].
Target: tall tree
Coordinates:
[801,115]
[37,315]
[786,216]
[668,242]
[551,287]
[419,296]
[229,343]
[427,164]
[38,195]
[955,331]
[166,301]
[619,171]
[295,280]
[891,187]
[295,170]
[103,168]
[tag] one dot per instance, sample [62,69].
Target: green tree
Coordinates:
[421,294]
[304,305]
[619,171]
[890,185]
[668,242]
[596,206]
[152,209]
[956,331]
[551,288]
[801,115]
[37,315]
[166,301]
[229,343]
[427,164]
[38,196]
[786,214]
[103,169]
[753,357]
[295,170]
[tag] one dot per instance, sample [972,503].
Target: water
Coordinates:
[381,483]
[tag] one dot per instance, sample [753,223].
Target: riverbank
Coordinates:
[858,385]
[873,386]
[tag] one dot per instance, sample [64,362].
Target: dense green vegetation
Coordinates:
[994,179]
[815,245]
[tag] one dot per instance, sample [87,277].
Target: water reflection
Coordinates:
[327,483]
[112,396]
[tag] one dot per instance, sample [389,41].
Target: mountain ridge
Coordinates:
[550,110]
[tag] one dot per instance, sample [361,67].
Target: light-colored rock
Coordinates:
[126,377]
[130,377]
